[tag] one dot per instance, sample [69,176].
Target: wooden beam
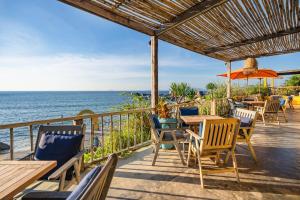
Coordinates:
[92,8]
[275,53]
[154,71]
[228,67]
[190,47]
[253,40]
[190,13]
[288,72]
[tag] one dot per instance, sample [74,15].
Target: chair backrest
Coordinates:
[271,106]
[219,134]
[98,186]
[231,104]
[61,129]
[239,112]
[155,125]
[186,111]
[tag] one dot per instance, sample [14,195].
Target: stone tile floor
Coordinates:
[275,176]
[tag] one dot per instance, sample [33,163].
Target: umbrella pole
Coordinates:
[259,86]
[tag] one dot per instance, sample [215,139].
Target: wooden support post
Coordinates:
[31,138]
[228,67]
[154,71]
[213,107]
[11,139]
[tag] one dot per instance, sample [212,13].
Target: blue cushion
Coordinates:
[189,111]
[84,184]
[156,122]
[245,121]
[168,122]
[58,147]
[200,129]
[282,102]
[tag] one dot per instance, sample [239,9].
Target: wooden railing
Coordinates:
[108,132]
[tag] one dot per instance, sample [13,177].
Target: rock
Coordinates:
[4,146]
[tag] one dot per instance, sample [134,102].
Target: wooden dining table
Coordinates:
[254,103]
[193,120]
[15,176]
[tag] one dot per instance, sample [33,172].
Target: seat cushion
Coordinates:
[59,147]
[168,136]
[156,122]
[245,122]
[84,184]
[282,102]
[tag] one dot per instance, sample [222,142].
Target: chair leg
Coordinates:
[226,158]
[62,180]
[263,118]
[179,152]
[200,170]
[284,115]
[156,154]
[217,158]
[235,166]
[189,154]
[252,151]
[77,172]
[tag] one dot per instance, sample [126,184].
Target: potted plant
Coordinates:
[165,119]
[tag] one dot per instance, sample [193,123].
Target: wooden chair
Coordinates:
[217,136]
[160,136]
[74,162]
[269,111]
[94,185]
[246,127]
[234,105]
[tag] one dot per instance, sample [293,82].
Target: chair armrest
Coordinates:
[28,157]
[164,130]
[46,195]
[196,136]
[168,122]
[55,175]
[171,129]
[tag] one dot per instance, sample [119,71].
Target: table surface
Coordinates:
[196,119]
[15,176]
[254,102]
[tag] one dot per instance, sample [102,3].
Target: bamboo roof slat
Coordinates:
[228,30]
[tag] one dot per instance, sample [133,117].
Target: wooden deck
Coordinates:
[275,176]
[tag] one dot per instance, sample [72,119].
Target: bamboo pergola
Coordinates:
[227,30]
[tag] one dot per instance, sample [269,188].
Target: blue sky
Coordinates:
[48,45]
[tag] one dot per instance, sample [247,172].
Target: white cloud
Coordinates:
[79,72]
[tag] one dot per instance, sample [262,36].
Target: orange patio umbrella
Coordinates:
[258,74]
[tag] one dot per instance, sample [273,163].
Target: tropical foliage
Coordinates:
[182,92]
[293,81]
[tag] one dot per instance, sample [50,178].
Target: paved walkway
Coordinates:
[275,176]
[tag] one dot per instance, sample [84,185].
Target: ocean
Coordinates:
[28,106]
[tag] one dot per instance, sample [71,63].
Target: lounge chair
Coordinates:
[270,111]
[94,185]
[63,144]
[160,136]
[217,136]
[247,124]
